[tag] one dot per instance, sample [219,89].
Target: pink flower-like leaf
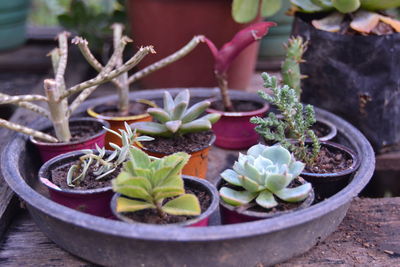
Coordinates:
[242,39]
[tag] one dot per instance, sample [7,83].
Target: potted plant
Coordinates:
[263,184]
[234,130]
[152,190]
[291,76]
[81,180]
[341,79]
[56,96]
[126,110]
[178,128]
[328,165]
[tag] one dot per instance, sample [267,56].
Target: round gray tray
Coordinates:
[115,243]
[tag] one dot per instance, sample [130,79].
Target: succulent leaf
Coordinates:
[169,104]
[256,150]
[266,200]
[130,205]
[173,126]
[236,198]
[270,7]
[231,177]
[277,154]
[276,182]
[151,128]
[186,204]
[244,11]
[250,185]
[159,114]
[346,6]
[195,111]
[135,187]
[295,168]
[198,125]
[294,194]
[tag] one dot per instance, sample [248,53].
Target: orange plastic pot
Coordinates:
[197,164]
[117,123]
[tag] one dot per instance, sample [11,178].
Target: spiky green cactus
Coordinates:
[291,74]
[293,128]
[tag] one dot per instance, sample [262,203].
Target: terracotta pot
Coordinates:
[190,182]
[93,201]
[231,214]
[234,130]
[198,163]
[169,25]
[328,184]
[116,123]
[51,150]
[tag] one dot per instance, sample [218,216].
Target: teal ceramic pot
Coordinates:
[272,45]
[13,16]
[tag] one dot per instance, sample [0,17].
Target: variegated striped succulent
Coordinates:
[264,173]
[99,162]
[175,118]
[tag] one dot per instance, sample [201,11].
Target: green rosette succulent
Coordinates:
[176,119]
[146,182]
[264,174]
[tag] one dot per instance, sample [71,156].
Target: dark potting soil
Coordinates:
[80,131]
[238,105]
[187,143]
[111,110]
[330,161]
[253,206]
[59,177]
[151,216]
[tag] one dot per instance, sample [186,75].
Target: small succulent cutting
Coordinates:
[264,174]
[292,129]
[151,183]
[176,119]
[99,163]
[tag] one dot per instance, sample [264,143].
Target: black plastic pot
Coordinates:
[356,77]
[330,128]
[91,201]
[327,184]
[232,215]
[100,240]
[190,182]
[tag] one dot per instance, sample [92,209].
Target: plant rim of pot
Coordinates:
[211,190]
[266,215]
[353,167]
[67,157]
[263,109]
[91,111]
[210,143]
[332,130]
[102,132]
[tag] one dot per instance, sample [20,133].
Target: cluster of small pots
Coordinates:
[97,201]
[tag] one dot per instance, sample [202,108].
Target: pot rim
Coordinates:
[211,208]
[353,167]
[102,132]
[210,143]
[91,111]
[40,203]
[73,155]
[267,215]
[263,109]
[333,130]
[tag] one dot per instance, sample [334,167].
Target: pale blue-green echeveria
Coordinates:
[264,173]
[175,118]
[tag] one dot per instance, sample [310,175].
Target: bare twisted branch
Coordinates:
[30,106]
[21,98]
[28,131]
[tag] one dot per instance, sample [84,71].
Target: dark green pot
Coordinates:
[13,15]
[272,45]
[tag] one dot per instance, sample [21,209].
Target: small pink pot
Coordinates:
[48,151]
[190,182]
[234,130]
[94,201]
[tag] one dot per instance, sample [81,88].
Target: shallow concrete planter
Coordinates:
[245,244]
[233,129]
[232,215]
[50,150]
[190,182]
[93,201]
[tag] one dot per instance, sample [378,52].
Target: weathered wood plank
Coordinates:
[368,236]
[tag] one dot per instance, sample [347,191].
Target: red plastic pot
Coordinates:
[93,201]
[48,151]
[190,182]
[328,184]
[232,215]
[169,25]
[234,130]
